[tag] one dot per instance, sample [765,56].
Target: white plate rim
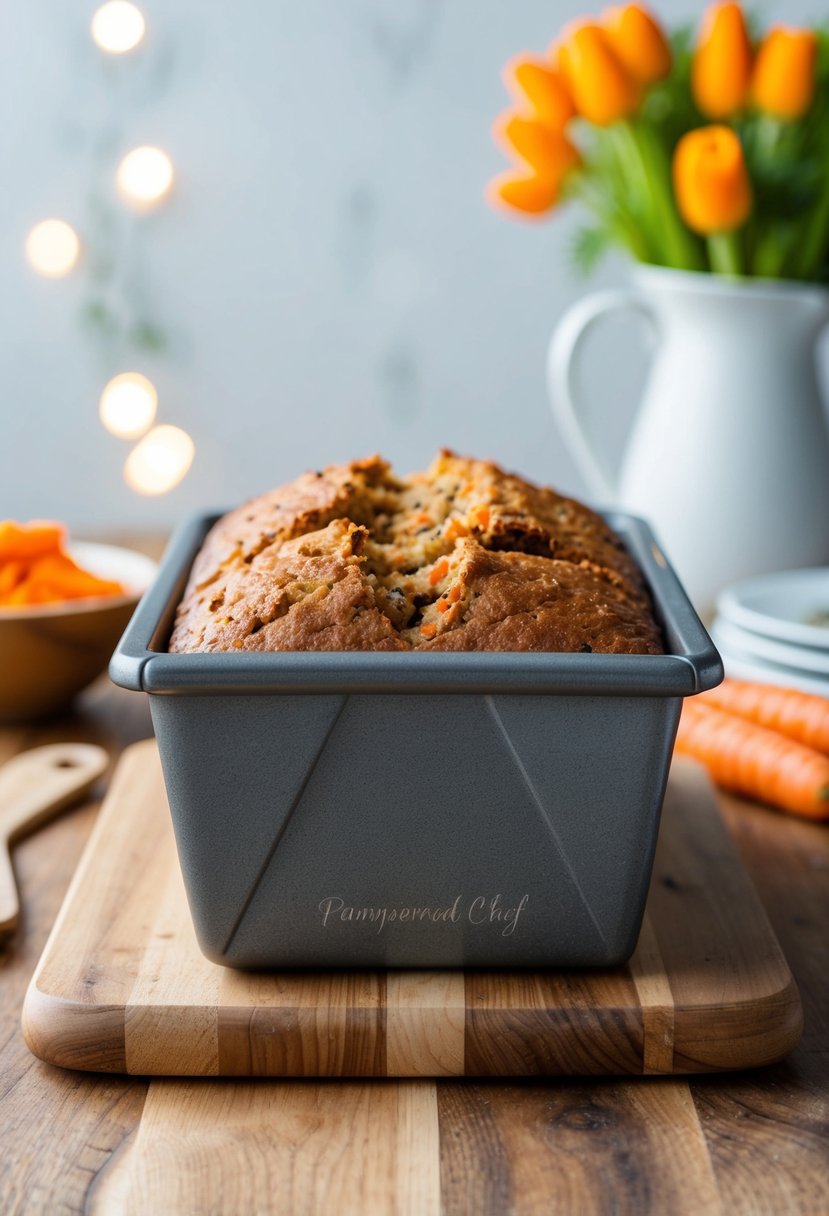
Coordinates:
[738,668]
[731,606]
[756,645]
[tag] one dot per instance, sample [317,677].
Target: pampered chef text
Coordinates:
[482,910]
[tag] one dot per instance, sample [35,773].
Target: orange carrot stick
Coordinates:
[50,579]
[11,573]
[29,540]
[755,761]
[801,716]
[64,580]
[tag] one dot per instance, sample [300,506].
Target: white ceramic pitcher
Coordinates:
[728,457]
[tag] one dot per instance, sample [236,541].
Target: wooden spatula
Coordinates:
[34,786]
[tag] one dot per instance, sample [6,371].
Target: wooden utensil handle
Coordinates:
[34,786]
[9,905]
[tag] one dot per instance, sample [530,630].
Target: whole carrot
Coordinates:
[754,761]
[801,716]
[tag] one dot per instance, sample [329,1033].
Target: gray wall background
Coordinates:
[325,281]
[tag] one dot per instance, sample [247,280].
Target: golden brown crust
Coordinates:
[304,505]
[462,557]
[517,601]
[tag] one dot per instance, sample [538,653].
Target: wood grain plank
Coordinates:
[76,1001]
[768,1132]
[768,1139]
[552,1023]
[425,1023]
[301,1147]
[171,1017]
[318,1024]
[626,1149]
[57,1128]
[653,988]
[703,906]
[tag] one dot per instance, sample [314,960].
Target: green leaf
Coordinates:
[589,246]
[148,337]
[98,319]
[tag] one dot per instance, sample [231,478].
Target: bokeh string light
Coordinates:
[128,405]
[117,27]
[159,461]
[52,248]
[145,176]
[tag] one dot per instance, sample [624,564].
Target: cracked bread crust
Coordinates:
[462,557]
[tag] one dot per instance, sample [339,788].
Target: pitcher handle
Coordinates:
[566,403]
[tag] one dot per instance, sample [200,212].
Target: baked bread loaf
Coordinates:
[462,557]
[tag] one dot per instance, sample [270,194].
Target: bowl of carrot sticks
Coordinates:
[63,607]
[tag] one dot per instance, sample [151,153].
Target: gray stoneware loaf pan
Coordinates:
[416,810]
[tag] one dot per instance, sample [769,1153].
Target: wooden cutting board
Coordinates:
[122,986]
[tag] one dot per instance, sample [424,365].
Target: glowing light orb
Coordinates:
[145,176]
[159,461]
[117,27]
[52,248]
[128,405]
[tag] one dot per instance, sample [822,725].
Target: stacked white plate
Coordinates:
[776,629]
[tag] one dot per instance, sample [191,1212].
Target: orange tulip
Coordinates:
[548,158]
[549,153]
[601,86]
[535,83]
[784,74]
[639,41]
[711,183]
[721,71]
[529,195]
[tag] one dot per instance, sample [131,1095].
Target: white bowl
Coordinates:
[49,652]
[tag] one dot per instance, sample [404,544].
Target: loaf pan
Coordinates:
[413,809]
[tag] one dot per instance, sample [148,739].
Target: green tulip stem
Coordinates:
[725,253]
[624,230]
[679,245]
[815,238]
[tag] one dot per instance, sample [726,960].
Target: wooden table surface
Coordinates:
[738,1143]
